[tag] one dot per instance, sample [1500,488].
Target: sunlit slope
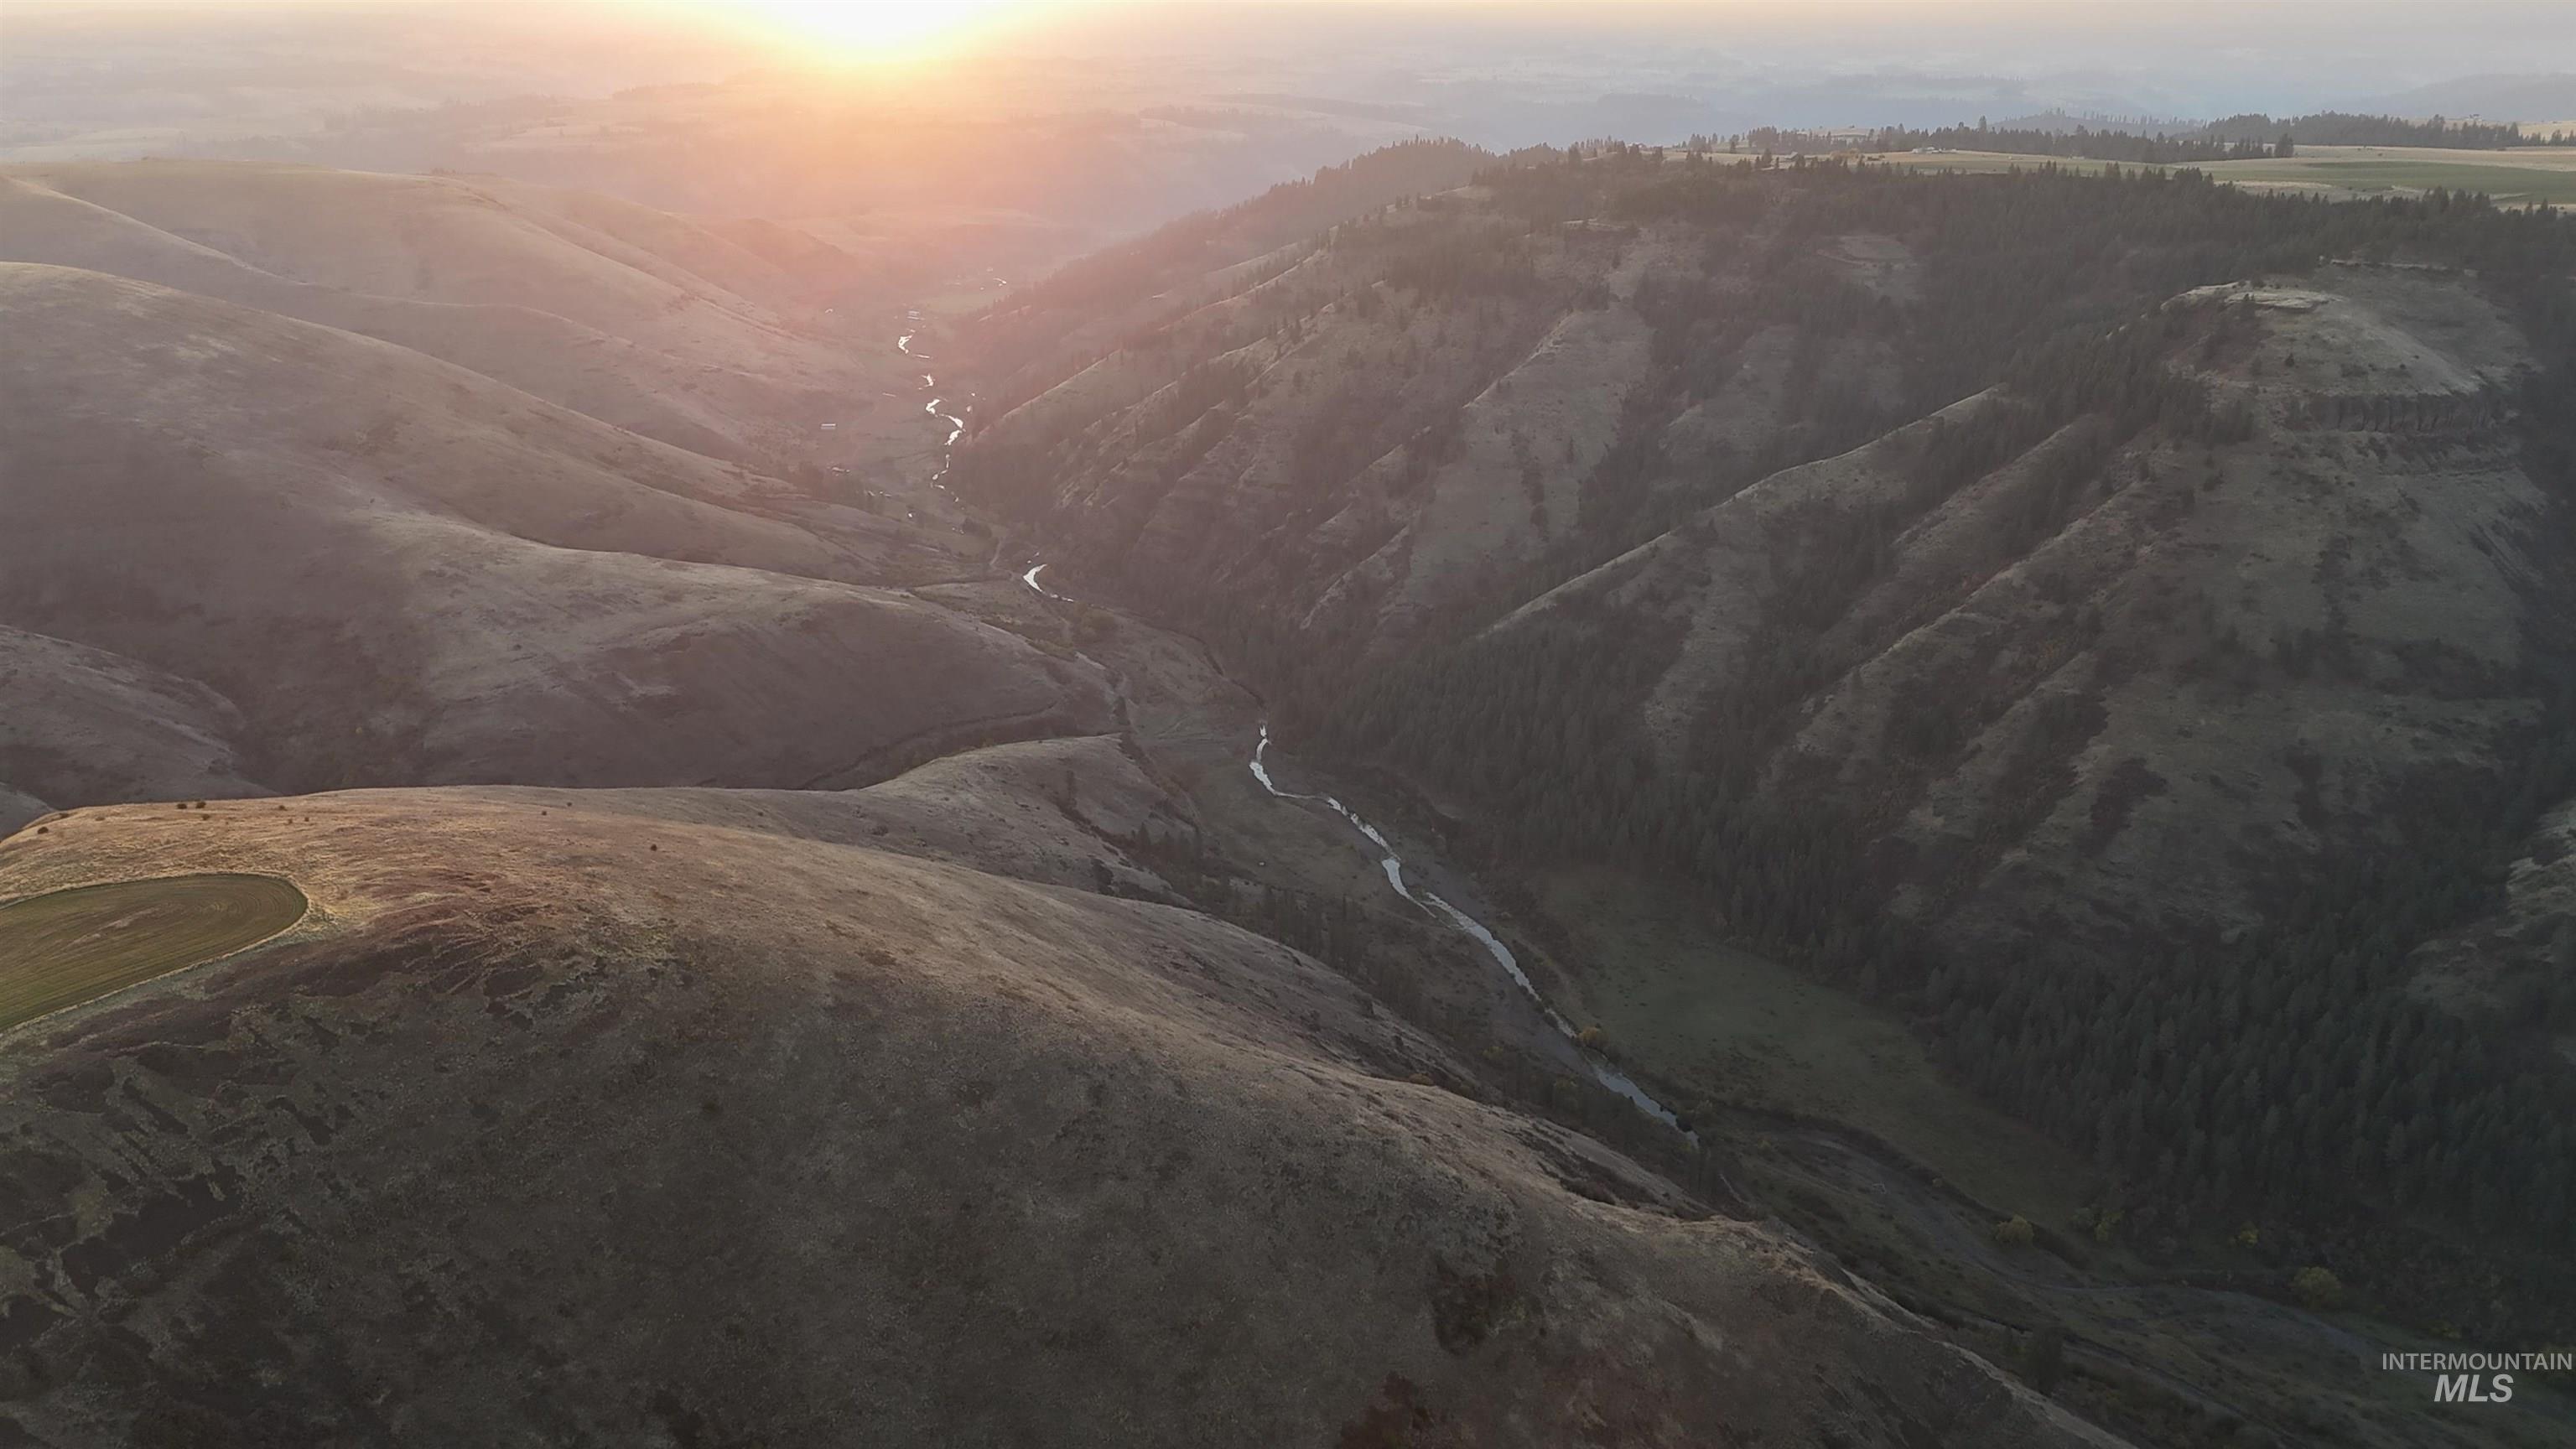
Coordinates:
[635,274]
[935,1157]
[542,353]
[643,319]
[401,571]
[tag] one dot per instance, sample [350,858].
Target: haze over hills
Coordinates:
[1028,141]
[2509,97]
[1507,794]
[641,319]
[476,584]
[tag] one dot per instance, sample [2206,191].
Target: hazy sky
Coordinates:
[2165,57]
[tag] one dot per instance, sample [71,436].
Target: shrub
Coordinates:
[2015,1232]
[2317,1287]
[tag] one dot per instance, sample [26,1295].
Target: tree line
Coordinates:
[2343,128]
[2080,141]
[2240,137]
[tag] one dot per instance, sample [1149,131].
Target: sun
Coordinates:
[862,31]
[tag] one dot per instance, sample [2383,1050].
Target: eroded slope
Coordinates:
[2096,682]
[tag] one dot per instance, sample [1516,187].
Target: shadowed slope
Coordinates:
[84,726]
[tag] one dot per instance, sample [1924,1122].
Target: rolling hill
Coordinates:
[86,725]
[691,1116]
[398,571]
[647,321]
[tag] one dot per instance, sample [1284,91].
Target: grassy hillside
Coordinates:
[931,1115]
[1096,303]
[85,726]
[399,571]
[620,269]
[644,320]
[2125,635]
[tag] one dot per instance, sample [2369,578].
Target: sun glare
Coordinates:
[870,31]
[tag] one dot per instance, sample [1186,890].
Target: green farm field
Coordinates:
[66,947]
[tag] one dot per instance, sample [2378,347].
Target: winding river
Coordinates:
[956,424]
[1428,900]
[1476,930]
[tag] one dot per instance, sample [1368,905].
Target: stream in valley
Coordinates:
[956,424]
[1930,1216]
[1429,901]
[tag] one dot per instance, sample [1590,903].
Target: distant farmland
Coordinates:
[2548,175]
[2545,174]
[1982,163]
[70,946]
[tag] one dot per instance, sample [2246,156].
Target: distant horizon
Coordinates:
[1782,62]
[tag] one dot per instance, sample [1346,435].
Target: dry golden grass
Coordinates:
[675,1058]
[705,335]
